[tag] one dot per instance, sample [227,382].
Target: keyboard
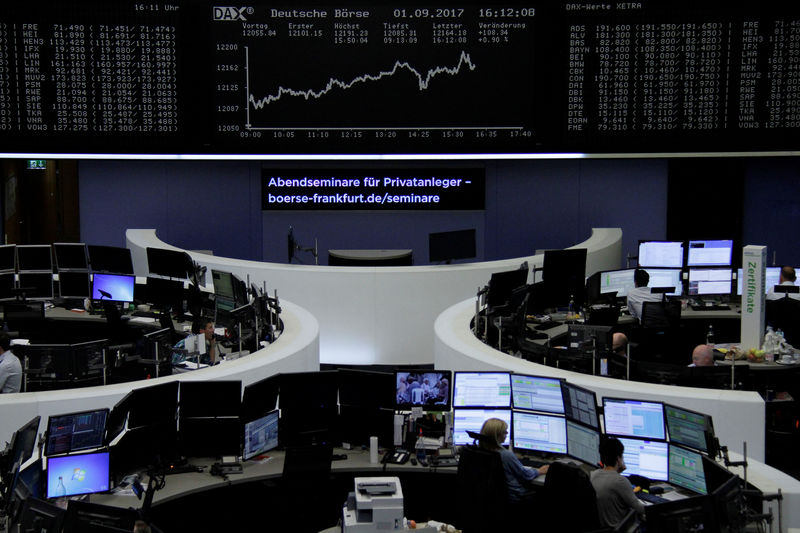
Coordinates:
[650,498]
[533,463]
[444,461]
[547,325]
[145,314]
[720,307]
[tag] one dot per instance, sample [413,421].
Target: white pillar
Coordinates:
[754,262]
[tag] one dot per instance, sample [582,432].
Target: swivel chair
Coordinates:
[660,331]
[784,314]
[482,491]
[569,499]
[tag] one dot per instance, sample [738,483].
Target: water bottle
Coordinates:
[61,490]
[571,310]
[710,336]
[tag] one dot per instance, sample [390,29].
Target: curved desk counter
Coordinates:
[376,315]
[296,350]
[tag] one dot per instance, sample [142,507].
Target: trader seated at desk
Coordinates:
[786,277]
[615,496]
[640,294]
[702,355]
[206,327]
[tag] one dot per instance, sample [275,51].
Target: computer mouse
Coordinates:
[414,461]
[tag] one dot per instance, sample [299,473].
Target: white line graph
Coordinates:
[423,80]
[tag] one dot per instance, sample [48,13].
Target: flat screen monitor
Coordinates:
[688,428]
[369,389]
[75,432]
[429,389]
[36,285]
[580,405]
[539,432]
[71,256]
[502,284]
[710,253]
[86,517]
[165,292]
[170,263]
[634,418]
[358,424]
[74,284]
[709,281]
[482,389]
[646,458]
[70,475]
[618,281]
[536,393]
[585,337]
[39,515]
[666,277]
[34,258]
[661,254]
[8,283]
[23,442]
[113,287]
[686,469]
[564,277]
[771,278]
[111,259]
[157,404]
[472,420]
[583,443]
[223,284]
[260,435]
[210,437]
[451,245]
[260,398]
[195,398]
[8,255]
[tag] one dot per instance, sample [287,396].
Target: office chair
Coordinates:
[306,473]
[603,316]
[569,500]
[659,334]
[784,314]
[483,504]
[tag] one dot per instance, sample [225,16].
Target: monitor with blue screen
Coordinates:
[618,281]
[633,418]
[536,393]
[543,433]
[260,435]
[661,254]
[686,469]
[68,475]
[482,389]
[710,253]
[646,458]
[583,443]
[666,277]
[113,287]
[472,420]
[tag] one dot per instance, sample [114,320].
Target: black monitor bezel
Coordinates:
[104,451]
[565,385]
[64,246]
[455,381]
[406,406]
[559,381]
[47,452]
[708,431]
[663,438]
[274,413]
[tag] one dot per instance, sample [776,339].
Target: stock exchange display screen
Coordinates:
[199,77]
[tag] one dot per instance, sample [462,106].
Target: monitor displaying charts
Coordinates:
[536,393]
[709,281]
[772,278]
[686,469]
[260,435]
[666,277]
[688,428]
[661,254]
[710,253]
[618,281]
[634,418]
[482,389]
[583,443]
[580,404]
[472,420]
[544,433]
[75,431]
[646,458]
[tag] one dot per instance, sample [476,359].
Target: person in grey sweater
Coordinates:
[615,495]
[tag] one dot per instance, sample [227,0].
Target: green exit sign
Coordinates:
[37,164]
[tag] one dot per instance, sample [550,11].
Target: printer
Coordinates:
[376,506]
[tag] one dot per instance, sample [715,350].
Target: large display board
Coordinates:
[197,77]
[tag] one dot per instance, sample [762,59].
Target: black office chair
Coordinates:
[569,500]
[306,472]
[483,504]
[603,316]
[784,314]
[659,335]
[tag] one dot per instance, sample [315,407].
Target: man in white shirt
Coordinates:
[640,293]
[787,278]
[10,367]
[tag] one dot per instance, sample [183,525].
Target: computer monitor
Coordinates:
[482,389]
[502,284]
[537,393]
[36,285]
[157,345]
[8,257]
[71,256]
[580,405]
[165,293]
[358,424]
[210,437]
[633,418]
[74,284]
[260,435]
[583,443]
[157,404]
[86,517]
[772,278]
[617,281]
[75,432]
[70,475]
[564,277]
[584,337]
[210,398]
[661,254]
[451,245]
[710,253]
[709,281]
[472,420]
[666,277]
[646,458]
[39,515]
[223,284]
[429,389]
[170,263]
[8,282]
[368,388]
[686,469]
[539,432]
[113,287]
[260,398]
[23,442]
[112,259]
[688,428]
[34,258]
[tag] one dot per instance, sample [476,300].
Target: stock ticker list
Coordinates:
[100,71]
[635,69]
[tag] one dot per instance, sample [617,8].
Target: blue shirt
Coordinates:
[517,475]
[10,372]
